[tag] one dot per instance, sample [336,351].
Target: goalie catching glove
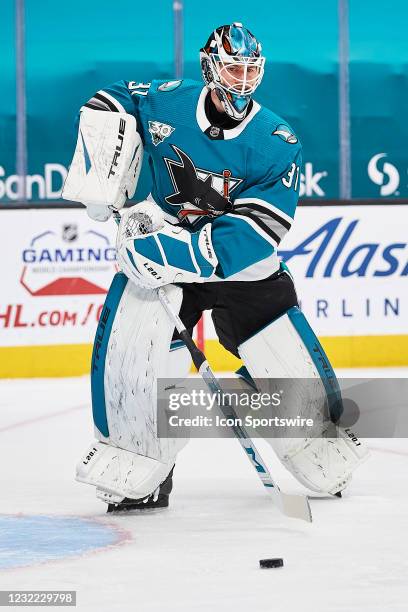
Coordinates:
[153,253]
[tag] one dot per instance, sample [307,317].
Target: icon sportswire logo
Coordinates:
[386,175]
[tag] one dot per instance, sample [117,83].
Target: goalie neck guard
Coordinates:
[232,65]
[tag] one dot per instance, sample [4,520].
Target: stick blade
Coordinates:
[294,506]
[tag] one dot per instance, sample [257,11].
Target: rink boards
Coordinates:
[349,262]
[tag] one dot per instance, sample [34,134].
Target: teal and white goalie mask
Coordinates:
[232,65]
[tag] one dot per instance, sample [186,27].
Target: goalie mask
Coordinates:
[232,65]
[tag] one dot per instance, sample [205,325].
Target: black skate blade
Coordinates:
[135,511]
[138,506]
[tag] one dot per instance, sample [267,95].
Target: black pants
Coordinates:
[239,308]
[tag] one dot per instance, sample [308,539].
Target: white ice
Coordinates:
[202,553]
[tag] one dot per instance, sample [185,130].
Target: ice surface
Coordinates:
[202,553]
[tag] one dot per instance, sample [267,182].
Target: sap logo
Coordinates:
[309,182]
[329,246]
[388,176]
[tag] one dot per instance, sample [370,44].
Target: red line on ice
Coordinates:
[44,417]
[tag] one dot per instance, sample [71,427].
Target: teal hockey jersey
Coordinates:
[255,166]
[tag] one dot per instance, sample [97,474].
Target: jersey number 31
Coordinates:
[293,173]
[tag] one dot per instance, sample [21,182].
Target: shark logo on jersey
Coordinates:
[197,191]
[159,131]
[169,86]
[285,134]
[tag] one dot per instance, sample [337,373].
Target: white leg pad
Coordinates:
[137,356]
[130,459]
[326,464]
[324,459]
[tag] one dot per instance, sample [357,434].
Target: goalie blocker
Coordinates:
[106,165]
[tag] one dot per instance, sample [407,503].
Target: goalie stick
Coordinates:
[294,506]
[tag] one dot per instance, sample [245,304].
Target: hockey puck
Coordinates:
[268,563]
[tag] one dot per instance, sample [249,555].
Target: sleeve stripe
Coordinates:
[275,238]
[114,101]
[263,217]
[110,104]
[100,103]
[95,106]
[266,211]
[268,205]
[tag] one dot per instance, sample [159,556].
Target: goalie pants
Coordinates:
[239,308]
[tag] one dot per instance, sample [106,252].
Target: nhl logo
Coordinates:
[214,131]
[69,232]
[159,131]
